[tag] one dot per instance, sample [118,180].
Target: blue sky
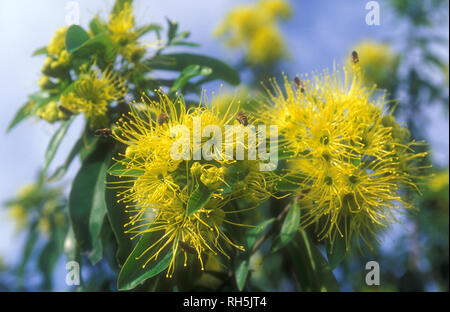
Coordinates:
[320,33]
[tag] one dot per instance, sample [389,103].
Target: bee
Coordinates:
[187,248]
[299,84]
[104,133]
[355,57]
[163,118]
[242,118]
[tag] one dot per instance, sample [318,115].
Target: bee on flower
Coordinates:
[355,160]
[161,193]
[376,61]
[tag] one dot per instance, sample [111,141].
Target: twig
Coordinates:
[278,220]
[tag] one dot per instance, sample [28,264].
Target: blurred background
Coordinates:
[406,54]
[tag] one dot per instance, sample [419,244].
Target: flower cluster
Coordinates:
[352,156]
[39,205]
[254,28]
[91,85]
[187,201]
[91,95]
[377,62]
[124,35]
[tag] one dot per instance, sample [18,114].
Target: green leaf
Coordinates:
[312,270]
[133,273]
[101,42]
[188,73]
[140,31]
[117,218]
[179,61]
[71,249]
[241,271]
[75,37]
[54,143]
[50,255]
[40,51]
[289,183]
[199,198]
[96,26]
[185,43]
[89,145]
[172,30]
[121,170]
[37,100]
[119,5]
[61,170]
[96,253]
[253,234]
[336,253]
[87,205]
[21,114]
[289,227]
[30,242]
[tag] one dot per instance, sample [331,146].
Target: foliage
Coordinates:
[136,218]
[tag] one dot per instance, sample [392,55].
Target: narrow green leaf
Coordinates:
[312,270]
[119,5]
[117,218]
[71,249]
[120,169]
[253,234]
[133,271]
[199,198]
[30,242]
[89,145]
[189,72]
[241,271]
[21,114]
[75,37]
[50,255]
[37,100]
[289,227]
[96,26]
[140,31]
[186,44]
[54,143]
[61,170]
[179,61]
[289,183]
[40,51]
[172,30]
[87,205]
[336,253]
[96,253]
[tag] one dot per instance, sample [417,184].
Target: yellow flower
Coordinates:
[276,8]
[156,188]
[121,22]
[19,214]
[58,60]
[253,28]
[266,46]
[377,62]
[58,42]
[50,112]
[91,95]
[123,34]
[439,181]
[354,157]
[26,191]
